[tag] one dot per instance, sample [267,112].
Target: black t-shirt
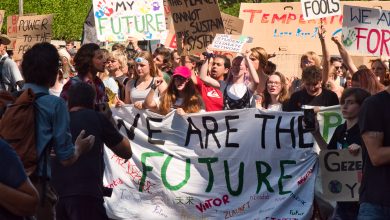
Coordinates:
[85,176]
[342,137]
[375,116]
[326,98]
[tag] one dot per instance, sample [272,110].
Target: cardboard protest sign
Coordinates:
[12,29]
[225,42]
[314,9]
[341,174]
[32,30]
[366,30]
[196,23]
[281,28]
[116,20]
[232,25]
[2,13]
[179,170]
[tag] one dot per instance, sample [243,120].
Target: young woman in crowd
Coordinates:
[146,75]
[259,58]
[116,65]
[346,136]
[181,95]
[365,79]
[276,92]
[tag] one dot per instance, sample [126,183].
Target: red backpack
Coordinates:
[17,125]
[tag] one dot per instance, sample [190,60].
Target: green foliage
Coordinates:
[69,15]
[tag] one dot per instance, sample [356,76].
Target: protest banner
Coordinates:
[115,20]
[225,42]
[314,9]
[280,27]
[366,30]
[341,174]
[241,164]
[196,23]
[12,29]
[32,30]
[232,25]
[2,13]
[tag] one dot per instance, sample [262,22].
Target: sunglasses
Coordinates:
[139,59]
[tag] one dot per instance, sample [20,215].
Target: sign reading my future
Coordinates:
[366,30]
[241,164]
[117,19]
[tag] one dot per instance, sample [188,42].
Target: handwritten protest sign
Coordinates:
[314,9]
[341,174]
[210,165]
[2,13]
[196,23]
[12,29]
[366,30]
[117,19]
[32,30]
[281,28]
[232,25]
[225,42]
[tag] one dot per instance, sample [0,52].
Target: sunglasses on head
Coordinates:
[139,59]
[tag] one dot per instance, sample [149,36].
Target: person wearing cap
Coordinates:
[10,76]
[181,95]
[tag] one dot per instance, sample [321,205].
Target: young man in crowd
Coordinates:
[10,76]
[374,123]
[80,186]
[212,97]
[313,92]
[162,60]
[40,68]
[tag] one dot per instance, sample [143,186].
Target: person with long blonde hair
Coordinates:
[181,95]
[138,88]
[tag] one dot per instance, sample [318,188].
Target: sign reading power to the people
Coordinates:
[314,9]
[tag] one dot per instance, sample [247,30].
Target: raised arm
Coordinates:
[254,76]
[347,60]
[205,77]
[325,55]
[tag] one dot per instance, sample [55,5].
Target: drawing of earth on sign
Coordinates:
[335,186]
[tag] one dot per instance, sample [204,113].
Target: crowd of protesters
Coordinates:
[75,118]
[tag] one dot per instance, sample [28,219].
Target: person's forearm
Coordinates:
[73,158]
[18,202]
[347,60]
[149,100]
[320,140]
[253,73]
[325,61]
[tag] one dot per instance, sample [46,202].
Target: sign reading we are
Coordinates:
[366,30]
[196,23]
[117,19]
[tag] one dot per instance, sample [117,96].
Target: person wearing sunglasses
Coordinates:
[146,75]
[181,95]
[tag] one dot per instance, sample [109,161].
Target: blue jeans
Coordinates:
[370,211]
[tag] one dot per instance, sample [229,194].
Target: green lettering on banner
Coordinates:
[100,25]
[145,168]
[328,124]
[282,176]
[209,161]
[262,176]
[164,174]
[240,179]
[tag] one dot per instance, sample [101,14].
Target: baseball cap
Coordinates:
[182,71]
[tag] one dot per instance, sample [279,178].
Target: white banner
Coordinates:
[117,19]
[366,30]
[242,164]
[225,42]
[314,9]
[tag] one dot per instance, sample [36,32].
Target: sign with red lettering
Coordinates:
[2,12]
[341,174]
[314,9]
[12,29]
[366,30]
[281,27]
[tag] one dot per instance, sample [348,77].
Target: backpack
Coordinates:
[17,125]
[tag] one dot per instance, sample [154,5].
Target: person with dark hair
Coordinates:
[365,79]
[270,68]
[10,76]
[80,186]
[40,68]
[312,93]
[276,92]
[118,46]
[374,124]
[162,60]
[346,136]
[211,95]
[89,60]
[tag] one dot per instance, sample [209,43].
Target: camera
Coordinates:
[309,118]
[208,55]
